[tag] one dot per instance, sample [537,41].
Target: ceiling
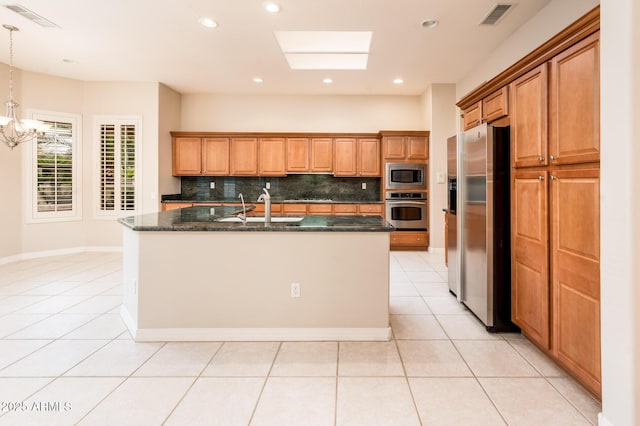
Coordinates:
[162,41]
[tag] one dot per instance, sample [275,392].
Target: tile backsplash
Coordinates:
[292,187]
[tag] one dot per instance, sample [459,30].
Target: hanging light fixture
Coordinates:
[12,130]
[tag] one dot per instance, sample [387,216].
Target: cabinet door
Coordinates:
[298,155]
[244,156]
[345,209]
[575,274]
[320,209]
[368,157]
[529,255]
[322,155]
[529,118]
[393,148]
[271,154]
[370,209]
[215,156]
[344,154]
[187,156]
[472,116]
[417,148]
[574,107]
[496,105]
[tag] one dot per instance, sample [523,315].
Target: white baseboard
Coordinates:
[602,421]
[59,252]
[437,250]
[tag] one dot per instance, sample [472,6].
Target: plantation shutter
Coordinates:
[54,169]
[117,165]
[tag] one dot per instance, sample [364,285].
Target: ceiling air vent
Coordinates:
[32,16]
[497,13]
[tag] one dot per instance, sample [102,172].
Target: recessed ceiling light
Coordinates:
[208,22]
[398,81]
[257,80]
[327,80]
[271,7]
[429,23]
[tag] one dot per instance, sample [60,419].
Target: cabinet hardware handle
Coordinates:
[540,177]
[553,157]
[540,158]
[553,177]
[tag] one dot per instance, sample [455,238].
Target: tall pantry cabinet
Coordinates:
[556,208]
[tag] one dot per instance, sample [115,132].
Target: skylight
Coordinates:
[325,50]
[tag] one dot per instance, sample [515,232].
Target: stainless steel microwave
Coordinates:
[411,176]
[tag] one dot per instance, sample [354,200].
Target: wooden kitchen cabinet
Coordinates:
[410,146]
[575,273]
[298,155]
[370,209]
[243,159]
[409,240]
[345,209]
[321,155]
[271,157]
[294,209]
[574,104]
[320,209]
[368,157]
[345,157]
[472,116]
[175,206]
[496,105]
[187,156]
[530,254]
[215,156]
[529,118]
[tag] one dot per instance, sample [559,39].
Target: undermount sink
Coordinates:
[260,219]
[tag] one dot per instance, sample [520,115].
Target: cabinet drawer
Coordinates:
[370,209]
[409,238]
[294,209]
[174,206]
[319,209]
[345,209]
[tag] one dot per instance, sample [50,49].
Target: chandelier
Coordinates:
[12,130]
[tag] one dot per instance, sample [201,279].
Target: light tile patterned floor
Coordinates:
[66,358]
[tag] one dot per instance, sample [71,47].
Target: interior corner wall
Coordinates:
[443,125]
[10,188]
[301,113]
[553,18]
[620,209]
[169,118]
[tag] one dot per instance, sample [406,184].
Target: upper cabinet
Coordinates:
[356,157]
[321,155]
[215,156]
[574,113]
[472,116]
[272,157]
[244,156]
[298,154]
[496,105]
[187,156]
[529,118]
[412,146]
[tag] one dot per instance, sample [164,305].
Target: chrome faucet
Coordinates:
[243,215]
[266,197]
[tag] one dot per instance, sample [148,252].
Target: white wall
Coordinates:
[301,113]
[552,19]
[169,113]
[444,119]
[620,210]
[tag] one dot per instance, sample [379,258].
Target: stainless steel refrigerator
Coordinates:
[453,219]
[485,255]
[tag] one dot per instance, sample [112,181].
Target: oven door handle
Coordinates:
[413,203]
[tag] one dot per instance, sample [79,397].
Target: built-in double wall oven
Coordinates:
[406,197]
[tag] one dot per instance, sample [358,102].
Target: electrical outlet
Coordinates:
[295,289]
[364,185]
[212,185]
[268,185]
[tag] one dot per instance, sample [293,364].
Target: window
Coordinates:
[117,168]
[53,170]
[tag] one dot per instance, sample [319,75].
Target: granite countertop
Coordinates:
[201,218]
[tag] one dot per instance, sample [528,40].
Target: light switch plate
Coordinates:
[440,177]
[364,185]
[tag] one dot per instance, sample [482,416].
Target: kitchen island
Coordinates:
[188,276]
